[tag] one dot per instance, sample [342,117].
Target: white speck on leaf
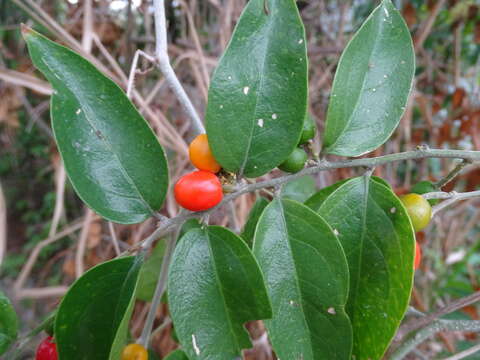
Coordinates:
[402,62]
[246,89]
[260,122]
[385,76]
[221,106]
[374,89]
[274,116]
[300,41]
[78,111]
[195,347]
[335,231]
[331,310]
[393,210]
[229,78]
[291,302]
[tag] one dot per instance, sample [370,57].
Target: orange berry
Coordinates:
[134,352]
[201,156]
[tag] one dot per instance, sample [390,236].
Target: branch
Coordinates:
[159,290]
[166,68]
[452,174]
[167,224]
[451,197]
[418,323]
[432,329]
[464,354]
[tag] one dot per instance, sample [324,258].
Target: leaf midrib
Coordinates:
[269,25]
[296,277]
[104,140]
[360,92]
[220,287]
[109,147]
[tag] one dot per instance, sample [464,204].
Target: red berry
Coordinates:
[47,350]
[418,256]
[199,190]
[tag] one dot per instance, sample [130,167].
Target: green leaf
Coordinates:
[258,95]
[371,86]
[149,273]
[378,239]
[307,280]
[249,228]
[177,355]
[214,287]
[189,225]
[316,200]
[299,189]
[8,323]
[111,155]
[92,320]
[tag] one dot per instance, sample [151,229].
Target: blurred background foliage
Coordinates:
[443,112]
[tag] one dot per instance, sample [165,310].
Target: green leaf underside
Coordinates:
[249,229]
[214,287]
[8,323]
[258,95]
[111,155]
[307,280]
[375,232]
[177,355]
[299,189]
[92,320]
[371,85]
[148,277]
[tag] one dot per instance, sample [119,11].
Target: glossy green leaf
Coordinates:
[189,225]
[306,274]
[299,189]
[258,95]
[214,287]
[316,200]
[111,155]
[177,355]
[378,239]
[8,323]
[148,277]
[249,229]
[92,320]
[371,86]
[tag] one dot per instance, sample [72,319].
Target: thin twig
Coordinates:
[418,323]
[82,242]
[27,268]
[87,32]
[465,353]
[432,329]
[167,321]
[59,196]
[452,198]
[232,217]
[159,290]
[168,224]
[166,68]
[452,174]
[114,238]
[133,69]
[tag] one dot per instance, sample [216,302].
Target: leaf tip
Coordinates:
[26,30]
